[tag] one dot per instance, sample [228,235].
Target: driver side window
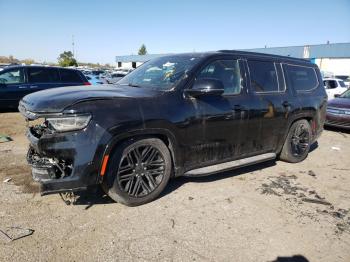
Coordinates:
[227,71]
[14,76]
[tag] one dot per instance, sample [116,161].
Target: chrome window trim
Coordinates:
[284,78]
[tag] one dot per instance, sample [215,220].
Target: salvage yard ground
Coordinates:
[258,213]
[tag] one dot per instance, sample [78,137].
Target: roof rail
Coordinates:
[262,54]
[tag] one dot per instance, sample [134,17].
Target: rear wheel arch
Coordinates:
[309,117]
[297,142]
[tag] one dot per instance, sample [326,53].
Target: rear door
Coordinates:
[40,78]
[268,86]
[12,87]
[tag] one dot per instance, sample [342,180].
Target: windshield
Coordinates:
[346,94]
[161,73]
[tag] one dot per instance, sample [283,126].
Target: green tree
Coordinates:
[142,50]
[67,59]
[28,61]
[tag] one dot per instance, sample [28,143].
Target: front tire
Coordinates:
[297,144]
[138,171]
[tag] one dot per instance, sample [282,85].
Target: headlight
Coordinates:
[69,123]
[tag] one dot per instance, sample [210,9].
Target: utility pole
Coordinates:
[73,46]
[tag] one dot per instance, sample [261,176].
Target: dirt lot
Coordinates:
[260,213]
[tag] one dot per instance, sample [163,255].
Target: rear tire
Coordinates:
[297,144]
[138,171]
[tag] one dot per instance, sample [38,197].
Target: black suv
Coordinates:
[18,81]
[187,114]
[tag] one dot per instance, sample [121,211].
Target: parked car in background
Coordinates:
[338,111]
[114,77]
[124,70]
[188,114]
[334,86]
[18,81]
[94,80]
[97,72]
[345,78]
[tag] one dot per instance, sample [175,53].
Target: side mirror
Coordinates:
[337,95]
[206,87]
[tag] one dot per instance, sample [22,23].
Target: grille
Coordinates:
[338,111]
[338,123]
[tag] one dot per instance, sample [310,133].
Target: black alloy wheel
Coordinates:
[300,140]
[297,144]
[141,170]
[138,171]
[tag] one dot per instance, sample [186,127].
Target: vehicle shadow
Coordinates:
[337,129]
[95,195]
[313,147]
[11,110]
[295,258]
[174,184]
[92,196]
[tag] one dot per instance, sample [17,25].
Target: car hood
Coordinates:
[57,99]
[339,103]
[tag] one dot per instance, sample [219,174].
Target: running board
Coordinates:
[230,165]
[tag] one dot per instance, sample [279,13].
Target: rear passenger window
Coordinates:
[42,75]
[227,71]
[70,76]
[301,78]
[263,76]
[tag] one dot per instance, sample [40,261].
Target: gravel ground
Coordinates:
[269,212]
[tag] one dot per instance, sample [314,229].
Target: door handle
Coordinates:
[33,86]
[286,104]
[21,87]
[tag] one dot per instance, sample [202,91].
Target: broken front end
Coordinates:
[65,150]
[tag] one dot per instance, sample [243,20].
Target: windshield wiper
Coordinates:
[130,84]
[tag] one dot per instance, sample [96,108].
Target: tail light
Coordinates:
[313,126]
[87,83]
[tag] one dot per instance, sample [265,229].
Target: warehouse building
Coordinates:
[332,59]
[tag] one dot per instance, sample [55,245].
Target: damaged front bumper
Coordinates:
[65,161]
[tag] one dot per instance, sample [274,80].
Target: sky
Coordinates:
[102,29]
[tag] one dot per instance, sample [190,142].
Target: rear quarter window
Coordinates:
[301,78]
[70,76]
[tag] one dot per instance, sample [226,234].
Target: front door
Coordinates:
[228,129]
[12,87]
